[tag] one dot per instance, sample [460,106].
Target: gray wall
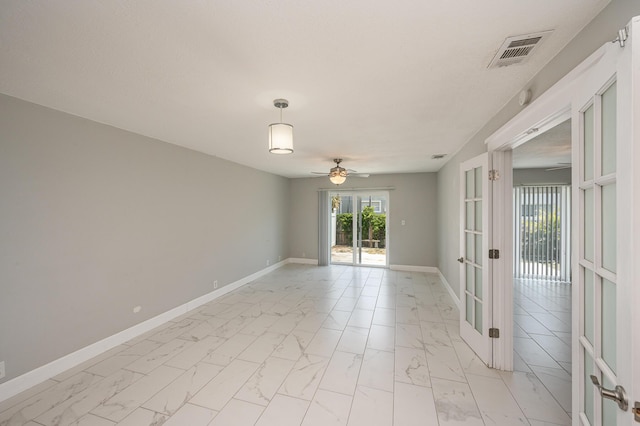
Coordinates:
[412,200]
[541,177]
[97,220]
[602,29]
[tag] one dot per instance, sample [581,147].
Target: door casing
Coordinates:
[551,108]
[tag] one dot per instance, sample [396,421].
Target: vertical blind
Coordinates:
[542,232]
[324,247]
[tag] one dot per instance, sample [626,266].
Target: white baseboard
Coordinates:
[302,260]
[453,295]
[412,268]
[52,369]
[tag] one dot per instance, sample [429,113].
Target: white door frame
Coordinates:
[547,111]
[551,108]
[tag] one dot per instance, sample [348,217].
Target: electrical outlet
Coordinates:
[215,284]
[404,223]
[279,258]
[2,370]
[268,261]
[137,309]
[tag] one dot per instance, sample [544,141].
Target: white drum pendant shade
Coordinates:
[280,138]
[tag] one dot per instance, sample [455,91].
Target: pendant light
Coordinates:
[280,134]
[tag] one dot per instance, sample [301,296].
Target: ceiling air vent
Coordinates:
[517,49]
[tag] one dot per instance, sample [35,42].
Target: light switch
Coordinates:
[403,222]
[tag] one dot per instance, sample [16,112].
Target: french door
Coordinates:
[359,234]
[475,291]
[606,141]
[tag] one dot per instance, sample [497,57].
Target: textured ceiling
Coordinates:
[382,84]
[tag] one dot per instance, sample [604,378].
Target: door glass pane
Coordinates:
[609,323]
[609,408]
[479,317]
[589,307]
[588,224]
[469,314]
[469,213]
[478,179]
[478,283]
[478,249]
[469,279]
[470,187]
[360,222]
[588,387]
[478,215]
[609,254]
[342,229]
[588,143]
[469,247]
[372,227]
[609,130]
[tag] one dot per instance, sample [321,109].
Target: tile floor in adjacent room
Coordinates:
[542,334]
[303,345]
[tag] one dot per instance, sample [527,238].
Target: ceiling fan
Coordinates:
[339,174]
[560,166]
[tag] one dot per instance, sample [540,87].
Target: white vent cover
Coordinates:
[517,49]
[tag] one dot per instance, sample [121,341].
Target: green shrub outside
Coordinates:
[370,221]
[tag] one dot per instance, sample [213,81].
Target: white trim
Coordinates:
[453,295]
[302,260]
[343,189]
[52,369]
[412,268]
[502,268]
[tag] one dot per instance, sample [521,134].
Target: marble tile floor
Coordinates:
[542,335]
[303,345]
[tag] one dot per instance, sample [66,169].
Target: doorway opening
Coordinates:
[358,227]
[542,214]
[542,260]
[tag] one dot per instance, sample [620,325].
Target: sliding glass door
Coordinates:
[359,228]
[541,232]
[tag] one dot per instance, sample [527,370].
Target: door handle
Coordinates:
[461,259]
[618,394]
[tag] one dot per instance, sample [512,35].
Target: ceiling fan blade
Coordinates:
[320,173]
[362,175]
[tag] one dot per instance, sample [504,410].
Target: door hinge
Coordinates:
[494,333]
[623,35]
[494,175]
[494,254]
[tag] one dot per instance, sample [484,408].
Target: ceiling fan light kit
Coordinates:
[337,174]
[280,134]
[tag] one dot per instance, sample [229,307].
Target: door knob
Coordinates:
[461,259]
[618,394]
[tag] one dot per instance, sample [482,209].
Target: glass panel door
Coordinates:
[359,228]
[341,228]
[598,257]
[474,273]
[371,249]
[605,140]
